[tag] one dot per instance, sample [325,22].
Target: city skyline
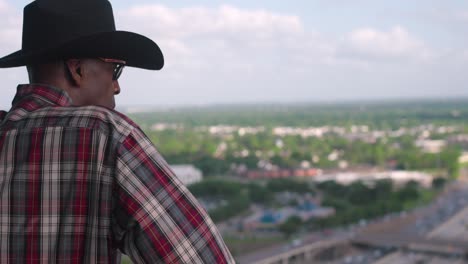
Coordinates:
[268,51]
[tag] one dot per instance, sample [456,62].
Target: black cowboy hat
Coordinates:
[60,29]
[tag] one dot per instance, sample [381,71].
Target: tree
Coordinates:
[449,159]
[438,183]
[332,187]
[283,185]
[407,193]
[338,204]
[216,188]
[290,226]
[259,194]
[211,166]
[383,189]
[235,206]
[360,194]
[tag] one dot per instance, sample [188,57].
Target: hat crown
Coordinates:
[61,29]
[57,21]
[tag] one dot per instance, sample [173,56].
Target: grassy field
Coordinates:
[239,246]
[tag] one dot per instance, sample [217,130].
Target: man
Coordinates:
[78,180]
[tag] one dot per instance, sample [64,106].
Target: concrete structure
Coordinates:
[442,247]
[411,257]
[454,229]
[392,239]
[188,174]
[294,253]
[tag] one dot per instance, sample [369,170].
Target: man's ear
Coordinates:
[74,71]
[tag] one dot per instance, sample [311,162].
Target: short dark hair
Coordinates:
[43,71]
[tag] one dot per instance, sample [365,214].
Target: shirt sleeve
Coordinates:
[155,218]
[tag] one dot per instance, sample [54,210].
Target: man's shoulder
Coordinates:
[94,117]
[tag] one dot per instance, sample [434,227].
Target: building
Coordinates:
[398,177]
[463,158]
[431,146]
[188,174]
[460,140]
[269,219]
[282,173]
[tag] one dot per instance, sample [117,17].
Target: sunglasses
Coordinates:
[118,67]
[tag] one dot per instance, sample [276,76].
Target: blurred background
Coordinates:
[311,131]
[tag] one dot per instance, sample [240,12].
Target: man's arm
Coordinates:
[156,219]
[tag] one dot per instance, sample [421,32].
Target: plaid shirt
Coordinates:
[79,183]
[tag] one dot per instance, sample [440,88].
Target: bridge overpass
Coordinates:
[316,252]
[292,254]
[447,242]
[443,247]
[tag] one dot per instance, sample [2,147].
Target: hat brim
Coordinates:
[137,50]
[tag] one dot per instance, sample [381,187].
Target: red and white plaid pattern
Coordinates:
[79,183]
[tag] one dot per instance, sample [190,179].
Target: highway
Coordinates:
[456,228]
[441,227]
[409,257]
[437,233]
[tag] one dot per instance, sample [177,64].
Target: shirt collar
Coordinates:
[42,94]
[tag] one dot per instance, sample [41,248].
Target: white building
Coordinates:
[398,177]
[463,158]
[431,146]
[188,174]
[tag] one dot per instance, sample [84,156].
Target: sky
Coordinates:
[276,51]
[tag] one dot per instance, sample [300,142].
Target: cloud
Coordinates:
[463,16]
[196,21]
[227,53]
[3,6]
[450,15]
[205,37]
[10,27]
[10,41]
[259,40]
[237,49]
[397,43]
